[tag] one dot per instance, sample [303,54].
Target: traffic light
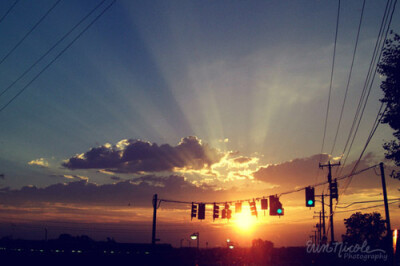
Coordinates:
[275,206]
[215,212]
[334,190]
[202,211]
[310,197]
[228,214]
[253,208]
[238,207]
[194,211]
[264,204]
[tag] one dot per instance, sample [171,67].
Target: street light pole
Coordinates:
[195,236]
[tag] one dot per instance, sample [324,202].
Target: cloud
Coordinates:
[303,172]
[138,191]
[297,172]
[137,156]
[76,177]
[39,162]
[241,160]
[72,177]
[2,176]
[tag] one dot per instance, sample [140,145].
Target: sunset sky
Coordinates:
[193,100]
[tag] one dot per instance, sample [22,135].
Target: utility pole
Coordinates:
[388,227]
[322,219]
[153,235]
[320,227]
[317,234]
[315,237]
[329,165]
[323,216]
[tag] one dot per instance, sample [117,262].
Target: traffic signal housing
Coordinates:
[201,215]
[310,197]
[264,204]
[334,190]
[238,207]
[215,212]
[194,211]
[253,208]
[275,206]
[228,214]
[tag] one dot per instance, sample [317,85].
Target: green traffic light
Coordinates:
[310,202]
[279,211]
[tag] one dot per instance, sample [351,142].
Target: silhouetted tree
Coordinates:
[389,67]
[261,251]
[65,237]
[361,227]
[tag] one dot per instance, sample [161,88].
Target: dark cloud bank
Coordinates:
[302,172]
[295,172]
[140,156]
[138,192]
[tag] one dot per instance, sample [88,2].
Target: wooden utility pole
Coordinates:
[315,237]
[323,216]
[385,200]
[320,227]
[153,235]
[389,230]
[329,165]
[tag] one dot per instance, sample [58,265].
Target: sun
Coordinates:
[245,222]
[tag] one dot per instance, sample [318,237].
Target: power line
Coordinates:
[365,84]
[331,79]
[30,31]
[330,88]
[360,202]
[365,208]
[380,205]
[380,114]
[51,48]
[8,11]
[259,198]
[364,95]
[349,77]
[58,56]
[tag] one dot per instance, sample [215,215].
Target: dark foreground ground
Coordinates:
[22,252]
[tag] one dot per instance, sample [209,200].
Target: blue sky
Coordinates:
[256,73]
[245,77]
